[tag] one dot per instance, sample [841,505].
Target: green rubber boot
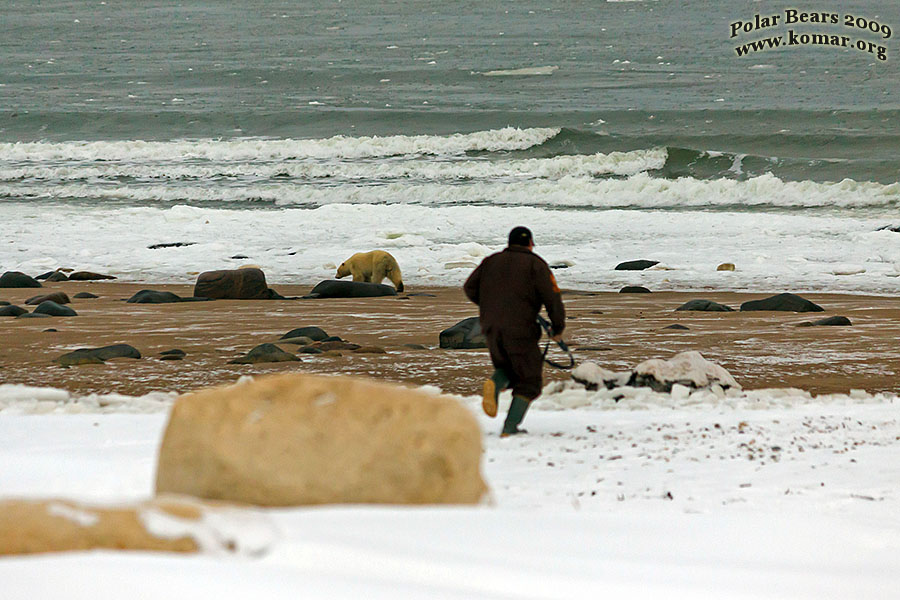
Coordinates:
[514,417]
[491,391]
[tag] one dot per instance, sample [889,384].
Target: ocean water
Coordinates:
[290,135]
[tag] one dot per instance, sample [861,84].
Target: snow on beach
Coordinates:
[440,245]
[754,494]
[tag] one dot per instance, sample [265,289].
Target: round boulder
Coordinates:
[464,335]
[12,311]
[57,276]
[300,439]
[154,297]
[88,276]
[264,353]
[49,307]
[58,297]
[315,334]
[636,265]
[332,288]
[782,302]
[16,279]
[704,305]
[836,321]
[234,284]
[634,289]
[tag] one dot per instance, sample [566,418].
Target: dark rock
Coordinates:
[309,350]
[634,289]
[836,321]
[335,345]
[170,245]
[49,307]
[560,266]
[422,294]
[894,228]
[314,333]
[782,302]
[53,276]
[196,299]
[12,311]
[57,276]
[174,352]
[5,303]
[58,297]
[16,279]
[636,265]
[235,284]
[677,326]
[51,330]
[93,356]
[370,350]
[705,305]
[463,335]
[415,346]
[115,351]
[239,256]
[264,353]
[332,338]
[594,348]
[332,288]
[172,357]
[154,297]
[76,358]
[301,340]
[33,315]
[88,276]
[85,295]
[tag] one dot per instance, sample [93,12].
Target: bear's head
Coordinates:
[342,271]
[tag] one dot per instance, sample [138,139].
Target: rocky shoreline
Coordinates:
[180,346]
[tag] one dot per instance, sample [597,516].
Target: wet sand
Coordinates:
[761,349]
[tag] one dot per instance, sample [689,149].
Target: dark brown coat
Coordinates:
[509,288]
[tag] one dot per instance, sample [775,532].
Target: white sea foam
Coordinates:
[548,70]
[509,138]
[569,191]
[615,163]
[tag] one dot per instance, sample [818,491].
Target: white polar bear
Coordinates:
[372,267]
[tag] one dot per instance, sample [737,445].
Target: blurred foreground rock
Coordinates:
[297,439]
[168,524]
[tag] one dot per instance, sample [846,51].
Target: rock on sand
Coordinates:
[298,439]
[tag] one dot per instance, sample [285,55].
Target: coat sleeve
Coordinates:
[472,286]
[550,296]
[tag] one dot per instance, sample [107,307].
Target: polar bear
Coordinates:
[372,267]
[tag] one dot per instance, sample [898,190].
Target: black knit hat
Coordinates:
[520,236]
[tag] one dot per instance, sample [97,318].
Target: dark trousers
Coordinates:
[522,361]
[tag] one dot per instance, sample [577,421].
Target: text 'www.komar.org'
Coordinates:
[792,38]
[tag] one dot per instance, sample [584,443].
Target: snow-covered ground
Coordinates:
[763,494]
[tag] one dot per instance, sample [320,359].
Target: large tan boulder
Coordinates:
[296,439]
[235,284]
[164,524]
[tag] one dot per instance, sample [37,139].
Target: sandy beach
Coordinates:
[760,349]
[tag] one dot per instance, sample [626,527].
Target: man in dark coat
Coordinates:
[509,288]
